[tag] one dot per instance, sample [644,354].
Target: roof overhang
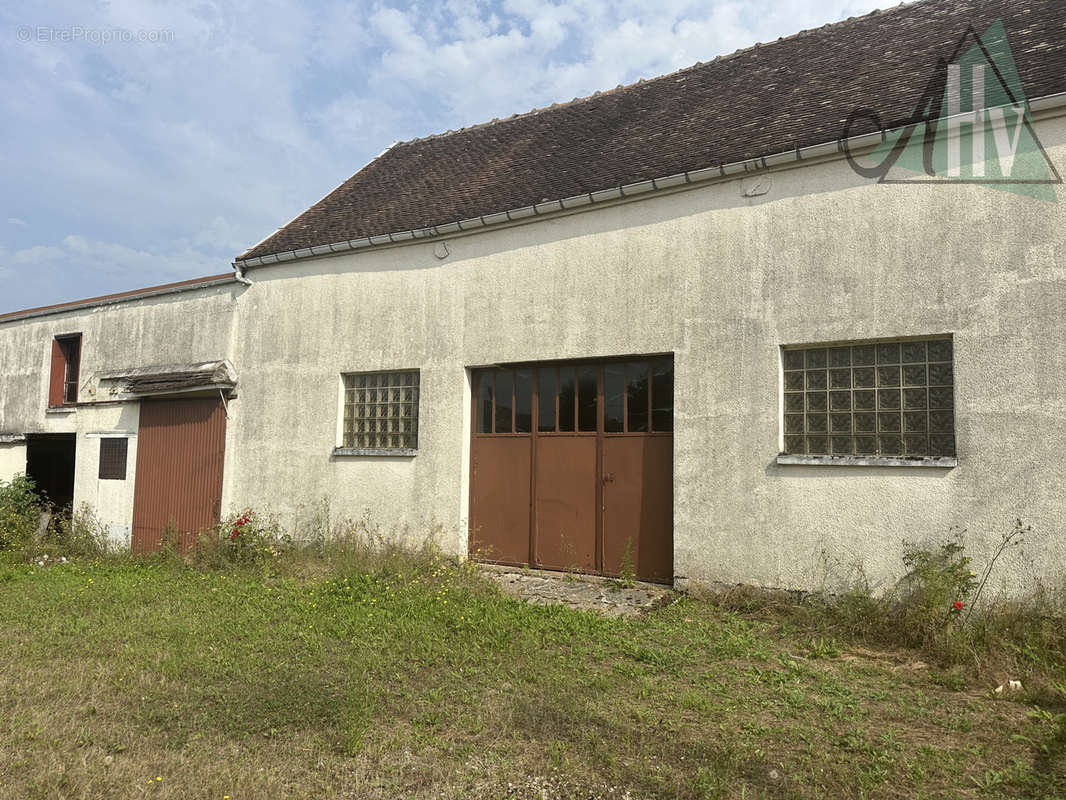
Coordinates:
[838,148]
[173,378]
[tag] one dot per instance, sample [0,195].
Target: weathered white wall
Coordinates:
[112,500]
[195,325]
[176,328]
[722,281]
[12,459]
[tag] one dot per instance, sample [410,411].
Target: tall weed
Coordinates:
[20,512]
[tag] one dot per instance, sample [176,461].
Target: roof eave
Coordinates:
[836,147]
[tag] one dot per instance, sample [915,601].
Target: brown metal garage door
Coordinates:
[572,466]
[180,453]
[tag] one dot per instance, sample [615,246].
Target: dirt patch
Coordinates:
[583,592]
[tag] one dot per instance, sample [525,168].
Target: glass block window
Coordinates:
[381,410]
[877,399]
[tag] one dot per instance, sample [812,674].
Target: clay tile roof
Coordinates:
[770,98]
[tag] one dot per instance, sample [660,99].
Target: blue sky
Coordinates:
[132,163]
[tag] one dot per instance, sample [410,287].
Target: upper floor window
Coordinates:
[381,410]
[66,364]
[891,399]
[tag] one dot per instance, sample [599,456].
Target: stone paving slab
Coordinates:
[583,592]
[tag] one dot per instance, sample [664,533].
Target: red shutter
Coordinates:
[59,373]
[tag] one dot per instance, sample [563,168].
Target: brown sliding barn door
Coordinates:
[572,467]
[180,454]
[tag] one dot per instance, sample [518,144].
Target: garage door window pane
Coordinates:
[523,399]
[484,403]
[503,401]
[546,385]
[637,397]
[613,398]
[567,398]
[588,400]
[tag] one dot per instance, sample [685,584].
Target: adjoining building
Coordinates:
[716,325]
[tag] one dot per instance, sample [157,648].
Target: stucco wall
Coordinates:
[190,326]
[176,328]
[12,459]
[112,500]
[722,281]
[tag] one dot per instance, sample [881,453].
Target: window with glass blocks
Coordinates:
[872,399]
[381,410]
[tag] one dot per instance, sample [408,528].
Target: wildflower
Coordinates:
[957,605]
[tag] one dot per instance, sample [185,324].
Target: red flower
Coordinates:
[957,605]
[233,535]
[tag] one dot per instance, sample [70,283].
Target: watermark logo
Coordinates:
[972,124]
[77,33]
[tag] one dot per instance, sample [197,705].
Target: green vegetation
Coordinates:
[413,677]
[31,528]
[19,513]
[360,669]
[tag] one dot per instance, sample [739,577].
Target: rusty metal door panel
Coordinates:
[565,503]
[499,499]
[181,448]
[638,505]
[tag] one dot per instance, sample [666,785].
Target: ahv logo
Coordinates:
[972,124]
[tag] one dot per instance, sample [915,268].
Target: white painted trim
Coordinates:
[111,435]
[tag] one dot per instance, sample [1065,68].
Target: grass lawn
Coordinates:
[157,680]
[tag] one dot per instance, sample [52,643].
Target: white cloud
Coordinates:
[38,254]
[107,260]
[170,158]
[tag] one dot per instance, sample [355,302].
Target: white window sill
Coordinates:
[403,452]
[60,410]
[941,462]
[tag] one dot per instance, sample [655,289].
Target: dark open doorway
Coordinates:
[50,465]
